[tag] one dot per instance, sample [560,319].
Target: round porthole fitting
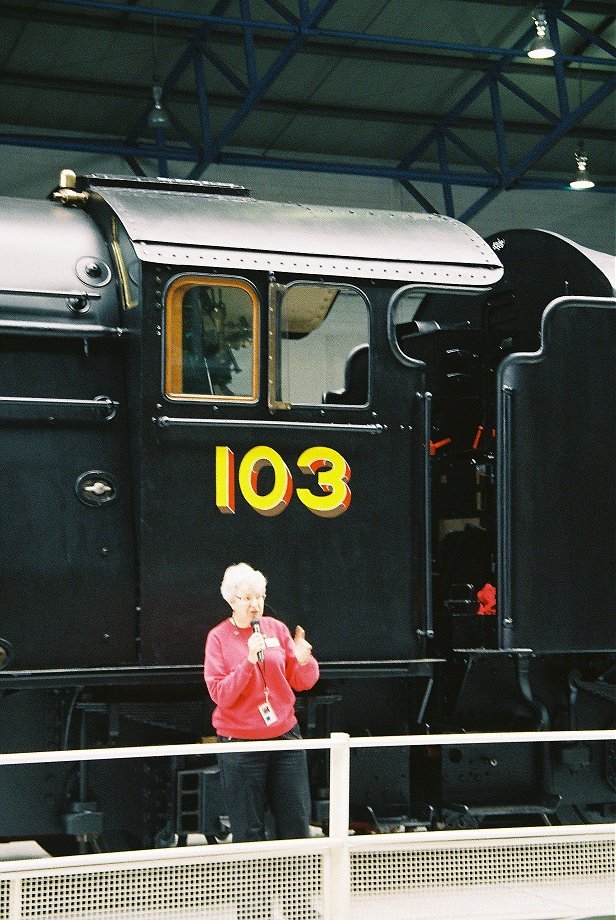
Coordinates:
[6,653]
[93,271]
[96,488]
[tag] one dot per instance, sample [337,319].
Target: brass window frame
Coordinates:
[173,329]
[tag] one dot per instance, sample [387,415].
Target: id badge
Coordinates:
[267,713]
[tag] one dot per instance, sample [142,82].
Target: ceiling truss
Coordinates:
[205,36]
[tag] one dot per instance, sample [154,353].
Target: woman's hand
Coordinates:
[256,644]
[301,647]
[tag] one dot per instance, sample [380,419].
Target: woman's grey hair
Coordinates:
[241,577]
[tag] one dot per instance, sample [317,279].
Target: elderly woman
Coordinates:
[252,666]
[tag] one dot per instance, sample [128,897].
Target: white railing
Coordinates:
[339,876]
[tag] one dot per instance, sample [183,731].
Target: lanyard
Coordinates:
[261,667]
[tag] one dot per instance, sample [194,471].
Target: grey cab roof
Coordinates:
[234,232]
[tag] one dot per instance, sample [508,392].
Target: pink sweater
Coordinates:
[237,686]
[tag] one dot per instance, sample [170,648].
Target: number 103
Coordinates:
[330,468]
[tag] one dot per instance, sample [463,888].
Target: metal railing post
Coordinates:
[338,888]
[15,885]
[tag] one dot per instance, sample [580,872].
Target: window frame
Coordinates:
[276,297]
[173,299]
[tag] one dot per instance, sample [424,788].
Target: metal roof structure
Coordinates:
[187,225]
[440,93]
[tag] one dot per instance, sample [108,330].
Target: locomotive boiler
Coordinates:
[407,428]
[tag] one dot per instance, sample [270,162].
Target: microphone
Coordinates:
[256,628]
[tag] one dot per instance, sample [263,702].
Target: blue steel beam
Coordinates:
[490,81]
[590,37]
[283,11]
[559,67]
[257,86]
[470,153]
[236,82]
[499,126]
[307,31]
[186,59]
[419,198]
[309,19]
[308,27]
[249,46]
[443,162]
[185,155]
[513,175]
[528,99]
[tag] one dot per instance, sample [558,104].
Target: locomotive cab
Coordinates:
[241,317]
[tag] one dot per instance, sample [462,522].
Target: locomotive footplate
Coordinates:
[131,675]
[416,667]
[193,674]
[472,816]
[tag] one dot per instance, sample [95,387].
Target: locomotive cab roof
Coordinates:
[191,223]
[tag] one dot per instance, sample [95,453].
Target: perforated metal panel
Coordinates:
[406,875]
[4,900]
[458,866]
[247,889]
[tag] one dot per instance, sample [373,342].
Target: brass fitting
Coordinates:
[66,190]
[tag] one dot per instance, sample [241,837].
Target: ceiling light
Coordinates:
[581,180]
[158,118]
[541,46]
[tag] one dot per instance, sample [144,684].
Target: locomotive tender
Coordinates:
[383,412]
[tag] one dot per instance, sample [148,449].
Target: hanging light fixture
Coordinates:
[581,179]
[158,118]
[541,46]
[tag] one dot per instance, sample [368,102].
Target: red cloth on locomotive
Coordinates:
[487,601]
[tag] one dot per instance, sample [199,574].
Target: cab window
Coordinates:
[323,345]
[211,339]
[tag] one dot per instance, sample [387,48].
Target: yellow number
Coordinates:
[280,495]
[225,480]
[333,473]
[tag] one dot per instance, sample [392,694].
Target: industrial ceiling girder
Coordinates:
[510,175]
[305,28]
[258,86]
[313,46]
[315,110]
[311,30]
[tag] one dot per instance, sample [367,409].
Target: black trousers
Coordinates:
[258,780]
[253,783]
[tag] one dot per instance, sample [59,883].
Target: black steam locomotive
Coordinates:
[409,429]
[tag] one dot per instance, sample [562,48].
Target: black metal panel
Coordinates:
[557,507]
[67,564]
[29,794]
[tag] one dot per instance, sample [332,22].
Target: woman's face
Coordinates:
[247,604]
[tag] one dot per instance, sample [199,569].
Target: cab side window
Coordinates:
[323,348]
[211,339]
